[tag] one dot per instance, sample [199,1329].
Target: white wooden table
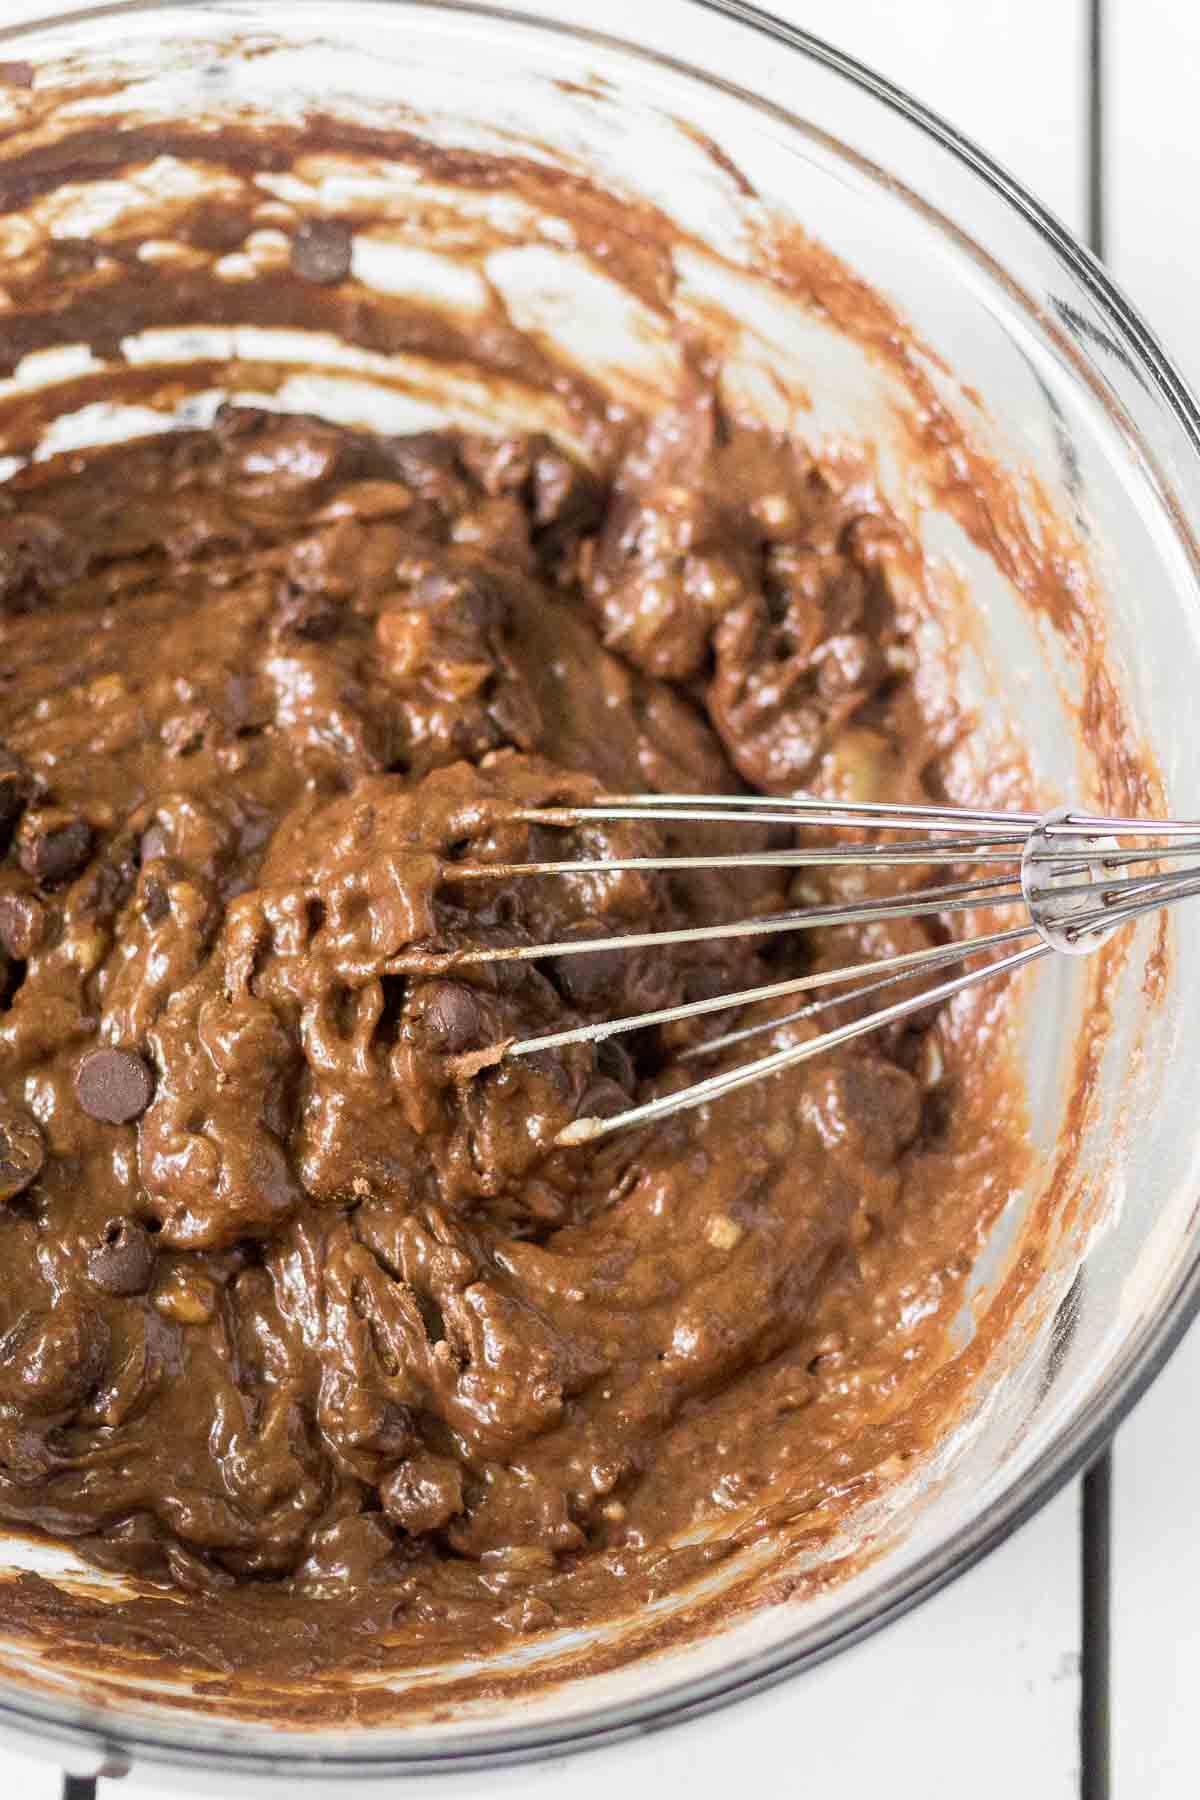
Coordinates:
[978,1693]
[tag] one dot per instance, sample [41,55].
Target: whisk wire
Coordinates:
[1060,867]
[910,963]
[588,1130]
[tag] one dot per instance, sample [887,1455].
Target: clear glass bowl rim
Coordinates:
[1083,1438]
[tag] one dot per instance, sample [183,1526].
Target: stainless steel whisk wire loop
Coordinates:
[1071,873]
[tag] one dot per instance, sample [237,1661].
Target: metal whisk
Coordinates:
[1061,868]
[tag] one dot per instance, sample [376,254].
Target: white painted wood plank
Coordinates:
[1153,144]
[978,1690]
[1156,1581]
[1153,141]
[1008,73]
[28,1778]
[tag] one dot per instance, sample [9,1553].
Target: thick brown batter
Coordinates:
[306,1331]
[293,1313]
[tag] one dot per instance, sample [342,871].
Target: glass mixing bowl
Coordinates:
[1045,366]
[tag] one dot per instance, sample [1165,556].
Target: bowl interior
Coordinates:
[1083,641]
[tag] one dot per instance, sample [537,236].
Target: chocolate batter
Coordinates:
[289,1302]
[306,1330]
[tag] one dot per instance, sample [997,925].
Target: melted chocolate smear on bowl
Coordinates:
[321,251]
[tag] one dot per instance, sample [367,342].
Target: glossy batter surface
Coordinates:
[296,1313]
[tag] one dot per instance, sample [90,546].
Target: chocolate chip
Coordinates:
[481,603]
[213,225]
[67,257]
[124,1263]
[422,1494]
[53,845]
[37,559]
[455,1016]
[22,1151]
[321,251]
[701,983]
[16,787]
[30,1454]
[50,1361]
[12,978]
[427,462]
[514,712]
[22,925]
[614,1061]
[469,600]
[114,1086]
[602,1099]
[589,978]
[393,1433]
[420,455]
